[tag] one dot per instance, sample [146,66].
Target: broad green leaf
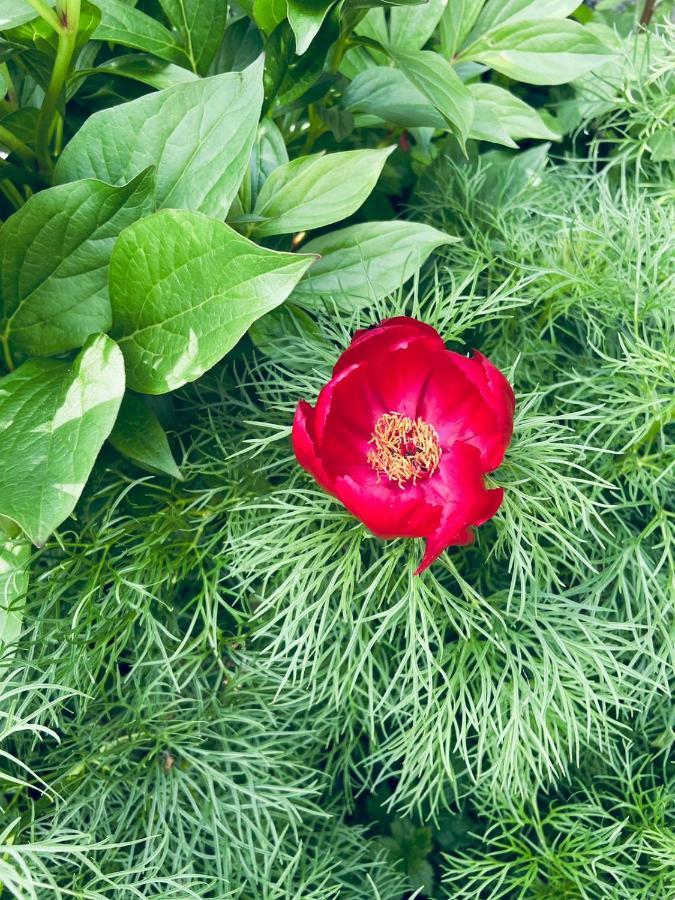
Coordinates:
[54,256]
[268,153]
[386,92]
[366,262]
[199,136]
[269,13]
[54,418]
[16,12]
[141,67]
[518,119]
[184,289]
[201,25]
[437,80]
[122,24]
[289,77]
[410,27]
[317,190]
[374,26]
[503,12]
[459,17]
[367,4]
[14,558]
[487,126]
[138,435]
[547,52]
[305,18]
[241,45]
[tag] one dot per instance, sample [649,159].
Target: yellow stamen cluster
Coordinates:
[405,449]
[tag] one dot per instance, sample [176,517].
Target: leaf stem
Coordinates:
[6,353]
[16,145]
[46,12]
[5,75]
[69,21]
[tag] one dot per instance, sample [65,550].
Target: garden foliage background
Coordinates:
[214,681]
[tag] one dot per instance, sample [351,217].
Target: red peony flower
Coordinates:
[403,433]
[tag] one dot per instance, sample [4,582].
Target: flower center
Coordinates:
[404,449]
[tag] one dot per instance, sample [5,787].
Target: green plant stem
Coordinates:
[340,47]
[45,12]
[13,194]
[67,33]
[6,353]
[16,145]
[10,103]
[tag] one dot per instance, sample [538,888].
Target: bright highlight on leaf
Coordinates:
[317,190]
[54,418]
[54,256]
[198,135]
[184,289]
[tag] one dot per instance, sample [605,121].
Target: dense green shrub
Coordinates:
[217,683]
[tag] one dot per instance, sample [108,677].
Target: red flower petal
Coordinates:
[459,490]
[302,438]
[469,400]
[346,410]
[352,402]
[384,508]
[372,344]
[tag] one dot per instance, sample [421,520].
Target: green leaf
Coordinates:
[459,17]
[268,153]
[199,136]
[386,92]
[546,52]
[122,24]
[317,190]
[14,558]
[54,417]
[267,14]
[144,68]
[289,77]
[241,46]
[54,256]
[487,126]
[367,4]
[305,18]
[410,27]
[503,12]
[366,262]
[16,12]
[437,80]
[138,435]
[517,118]
[184,289]
[201,25]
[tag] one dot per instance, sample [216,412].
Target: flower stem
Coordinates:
[68,23]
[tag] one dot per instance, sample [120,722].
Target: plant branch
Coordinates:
[67,32]
[45,12]
[16,145]
[6,353]
[647,13]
